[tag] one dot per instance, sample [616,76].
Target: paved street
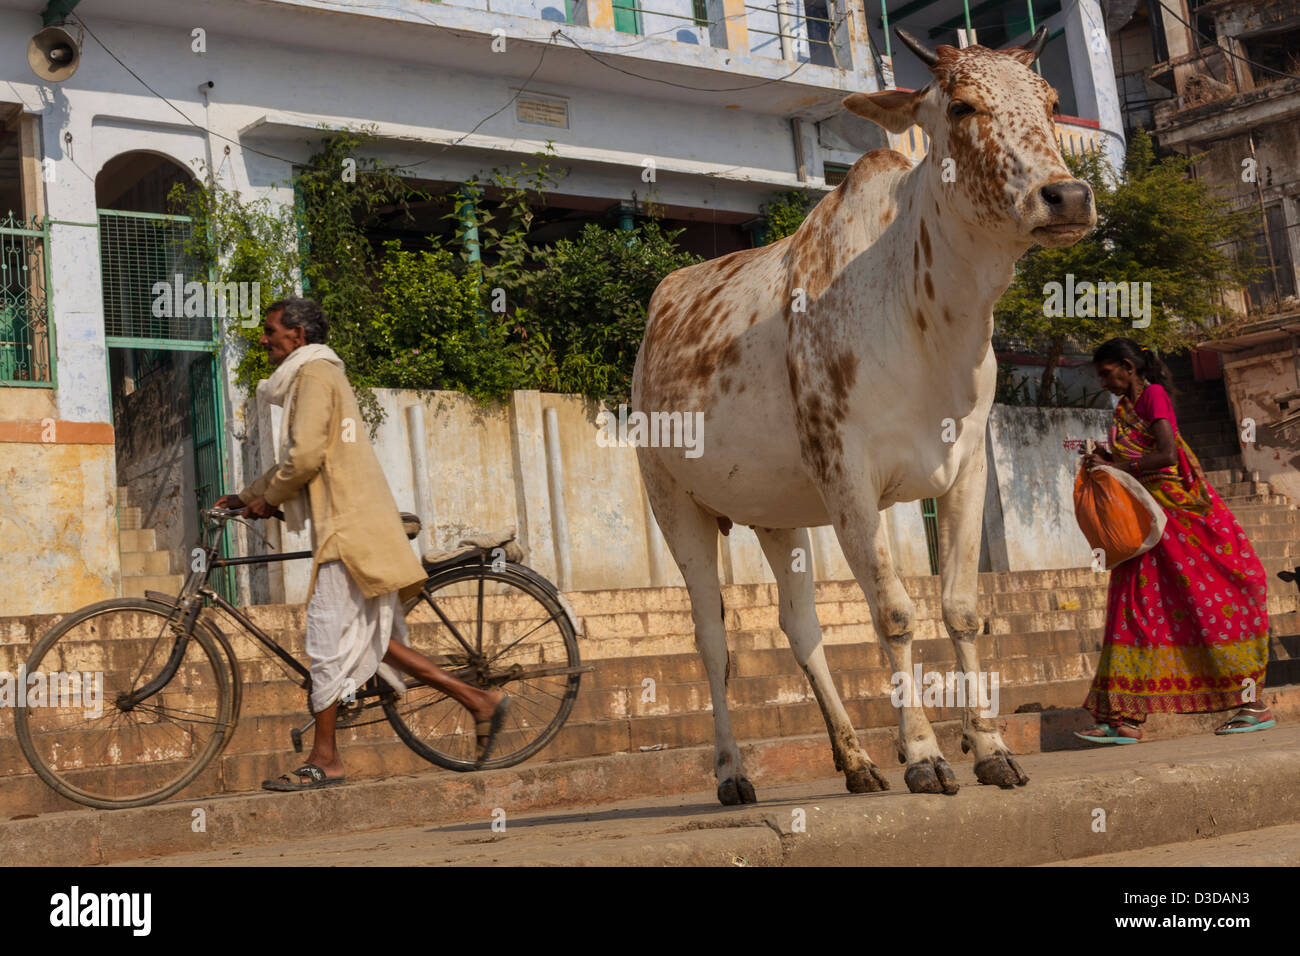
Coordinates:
[1189,802]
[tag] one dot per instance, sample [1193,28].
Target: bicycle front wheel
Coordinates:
[86,739]
[490,627]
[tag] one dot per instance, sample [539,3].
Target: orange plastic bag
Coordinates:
[1116,514]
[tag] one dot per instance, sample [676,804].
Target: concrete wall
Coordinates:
[1252,385]
[58,526]
[1034,477]
[581,509]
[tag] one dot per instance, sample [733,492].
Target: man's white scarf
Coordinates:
[279,388]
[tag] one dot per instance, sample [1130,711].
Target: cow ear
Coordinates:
[895,110]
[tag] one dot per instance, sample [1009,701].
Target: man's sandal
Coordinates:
[317,779]
[1251,721]
[490,728]
[1109,735]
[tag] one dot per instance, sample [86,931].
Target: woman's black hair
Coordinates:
[1145,362]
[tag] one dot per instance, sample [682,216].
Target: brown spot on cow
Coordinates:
[947,316]
[925,243]
[929,287]
[843,372]
[916,257]
[920,320]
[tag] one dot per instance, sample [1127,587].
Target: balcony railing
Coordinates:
[800,31]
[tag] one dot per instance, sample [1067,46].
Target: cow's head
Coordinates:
[992,115]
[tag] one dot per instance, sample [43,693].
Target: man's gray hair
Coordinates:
[305,314]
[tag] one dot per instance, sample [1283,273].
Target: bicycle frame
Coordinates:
[189,605]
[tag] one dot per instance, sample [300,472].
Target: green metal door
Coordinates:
[930,518]
[137,251]
[208,472]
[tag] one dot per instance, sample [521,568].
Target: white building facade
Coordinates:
[727,102]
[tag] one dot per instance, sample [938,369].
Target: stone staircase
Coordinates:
[144,565]
[1043,633]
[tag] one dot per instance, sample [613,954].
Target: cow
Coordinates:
[849,366]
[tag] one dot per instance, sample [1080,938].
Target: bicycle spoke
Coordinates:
[497,656]
[479,647]
[455,632]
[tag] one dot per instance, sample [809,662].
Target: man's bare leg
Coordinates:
[480,703]
[324,753]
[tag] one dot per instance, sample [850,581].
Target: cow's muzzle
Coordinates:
[1066,212]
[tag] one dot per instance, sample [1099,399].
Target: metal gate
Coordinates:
[146,263]
[26,349]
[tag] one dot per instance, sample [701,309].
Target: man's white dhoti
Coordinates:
[347,636]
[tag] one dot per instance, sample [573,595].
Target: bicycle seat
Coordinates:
[474,546]
[411,524]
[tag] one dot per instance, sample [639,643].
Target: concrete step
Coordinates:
[128,519]
[1245,489]
[261,746]
[137,539]
[136,585]
[1218,455]
[1272,516]
[788,771]
[1287,549]
[146,563]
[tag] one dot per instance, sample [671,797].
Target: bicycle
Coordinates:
[177,685]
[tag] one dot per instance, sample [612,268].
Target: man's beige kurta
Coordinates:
[353,515]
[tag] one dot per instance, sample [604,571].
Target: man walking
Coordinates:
[363,567]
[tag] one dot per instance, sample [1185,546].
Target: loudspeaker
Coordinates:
[53,54]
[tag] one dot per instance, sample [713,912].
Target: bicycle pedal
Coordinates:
[296,734]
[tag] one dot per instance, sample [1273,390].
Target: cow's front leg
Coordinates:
[865,544]
[961,513]
[798,618]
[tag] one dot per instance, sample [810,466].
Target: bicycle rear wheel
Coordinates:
[85,743]
[491,627]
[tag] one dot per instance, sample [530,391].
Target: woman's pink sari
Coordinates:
[1186,622]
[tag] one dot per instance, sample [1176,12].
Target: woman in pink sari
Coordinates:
[1186,622]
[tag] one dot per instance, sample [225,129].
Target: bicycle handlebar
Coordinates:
[235,513]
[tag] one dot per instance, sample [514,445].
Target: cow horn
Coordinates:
[1037,42]
[926,55]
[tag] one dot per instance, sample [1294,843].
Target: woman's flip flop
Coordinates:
[1246,717]
[1112,735]
[490,728]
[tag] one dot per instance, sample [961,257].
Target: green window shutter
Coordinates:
[627,18]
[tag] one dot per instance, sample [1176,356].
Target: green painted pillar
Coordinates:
[1029,4]
[469,222]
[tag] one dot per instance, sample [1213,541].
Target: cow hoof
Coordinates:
[867,779]
[1001,770]
[931,776]
[736,790]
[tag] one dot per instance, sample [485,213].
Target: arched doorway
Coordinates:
[165,387]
